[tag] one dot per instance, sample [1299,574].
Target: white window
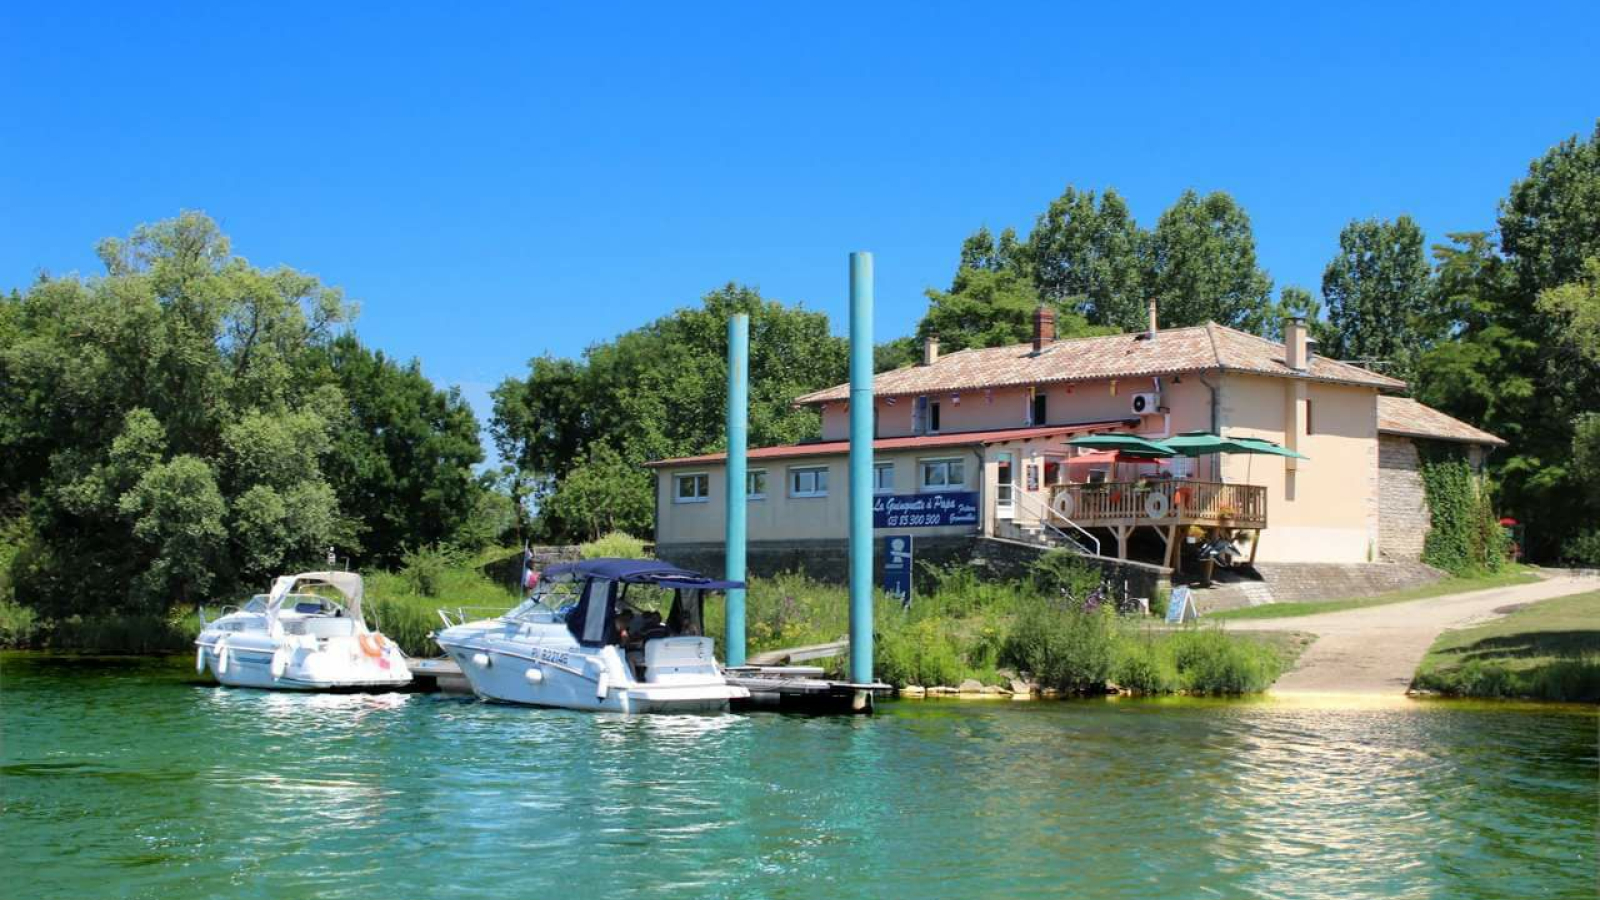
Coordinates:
[883,478]
[944,473]
[808,481]
[755,484]
[691,488]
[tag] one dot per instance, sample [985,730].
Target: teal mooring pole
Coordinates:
[861,470]
[738,412]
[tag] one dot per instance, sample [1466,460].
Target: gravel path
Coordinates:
[1375,650]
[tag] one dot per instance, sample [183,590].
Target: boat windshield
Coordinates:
[257,604]
[551,601]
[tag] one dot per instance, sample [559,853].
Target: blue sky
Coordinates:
[500,183]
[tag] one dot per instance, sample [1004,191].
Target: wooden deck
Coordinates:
[1163,503]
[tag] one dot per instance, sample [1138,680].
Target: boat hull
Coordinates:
[249,665]
[568,679]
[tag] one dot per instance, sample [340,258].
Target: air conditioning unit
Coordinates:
[1146,404]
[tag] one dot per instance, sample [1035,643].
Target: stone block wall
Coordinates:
[1403,519]
[829,560]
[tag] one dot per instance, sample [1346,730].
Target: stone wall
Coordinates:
[1293,582]
[506,569]
[1403,519]
[828,560]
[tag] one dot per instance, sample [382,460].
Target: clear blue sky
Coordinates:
[494,185]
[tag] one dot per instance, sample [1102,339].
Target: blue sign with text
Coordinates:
[897,559]
[925,510]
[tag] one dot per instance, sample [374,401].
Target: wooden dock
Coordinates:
[781,688]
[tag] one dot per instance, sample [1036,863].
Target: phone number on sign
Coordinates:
[911,520]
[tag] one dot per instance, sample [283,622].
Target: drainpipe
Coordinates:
[986,526]
[1215,424]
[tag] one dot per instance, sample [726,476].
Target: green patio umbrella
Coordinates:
[1201,443]
[1126,443]
[1262,446]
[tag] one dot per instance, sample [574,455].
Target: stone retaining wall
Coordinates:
[1403,518]
[1294,582]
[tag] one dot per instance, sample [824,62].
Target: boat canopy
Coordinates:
[638,571]
[591,621]
[348,584]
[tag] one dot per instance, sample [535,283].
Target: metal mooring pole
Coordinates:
[861,469]
[738,413]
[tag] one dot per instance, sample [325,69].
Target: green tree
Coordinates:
[1511,366]
[1295,302]
[177,512]
[1202,265]
[603,494]
[1377,291]
[659,391]
[992,308]
[401,452]
[1087,257]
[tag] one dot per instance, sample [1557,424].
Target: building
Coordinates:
[1404,424]
[974,443]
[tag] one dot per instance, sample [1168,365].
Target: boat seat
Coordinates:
[327,626]
[664,655]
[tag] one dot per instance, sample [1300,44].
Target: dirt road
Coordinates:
[1376,650]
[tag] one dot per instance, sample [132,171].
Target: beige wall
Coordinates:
[782,517]
[1324,509]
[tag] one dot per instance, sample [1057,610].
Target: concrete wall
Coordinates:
[1403,518]
[1324,509]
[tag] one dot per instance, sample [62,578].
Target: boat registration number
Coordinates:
[559,657]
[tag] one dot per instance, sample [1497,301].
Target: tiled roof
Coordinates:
[1194,349]
[1403,415]
[918,442]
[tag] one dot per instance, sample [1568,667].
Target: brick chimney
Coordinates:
[1294,344]
[1153,326]
[1044,328]
[930,350]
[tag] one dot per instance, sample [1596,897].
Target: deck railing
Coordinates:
[1179,503]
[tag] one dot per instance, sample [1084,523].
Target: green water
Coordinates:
[126,779]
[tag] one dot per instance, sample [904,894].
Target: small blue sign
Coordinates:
[925,510]
[897,559]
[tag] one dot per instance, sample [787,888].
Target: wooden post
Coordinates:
[1122,532]
[1255,543]
[1174,548]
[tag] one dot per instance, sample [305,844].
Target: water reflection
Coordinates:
[135,778]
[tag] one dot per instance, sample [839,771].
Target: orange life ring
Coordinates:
[373,644]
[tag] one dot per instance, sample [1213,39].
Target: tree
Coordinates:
[172,424]
[602,494]
[401,451]
[1295,302]
[655,392]
[1377,291]
[1202,265]
[1513,365]
[1086,257]
[991,308]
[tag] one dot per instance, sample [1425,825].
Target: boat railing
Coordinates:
[452,616]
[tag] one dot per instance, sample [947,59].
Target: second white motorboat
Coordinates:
[294,639]
[623,635]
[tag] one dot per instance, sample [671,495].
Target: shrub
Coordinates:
[423,569]
[1145,665]
[1208,661]
[923,652]
[18,624]
[1063,648]
[1061,573]
[617,545]
[1583,548]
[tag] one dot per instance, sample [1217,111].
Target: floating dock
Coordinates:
[781,688]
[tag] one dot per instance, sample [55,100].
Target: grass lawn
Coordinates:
[1548,650]
[1513,575]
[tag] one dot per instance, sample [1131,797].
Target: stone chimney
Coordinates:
[930,350]
[1044,328]
[1294,344]
[1153,326]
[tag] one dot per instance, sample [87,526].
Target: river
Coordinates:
[127,778]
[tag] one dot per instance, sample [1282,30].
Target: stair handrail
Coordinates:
[1046,523]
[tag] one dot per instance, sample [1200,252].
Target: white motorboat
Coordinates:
[622,635]
[296,639]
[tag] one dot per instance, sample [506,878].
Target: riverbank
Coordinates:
[1548,650]
[1377,649]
